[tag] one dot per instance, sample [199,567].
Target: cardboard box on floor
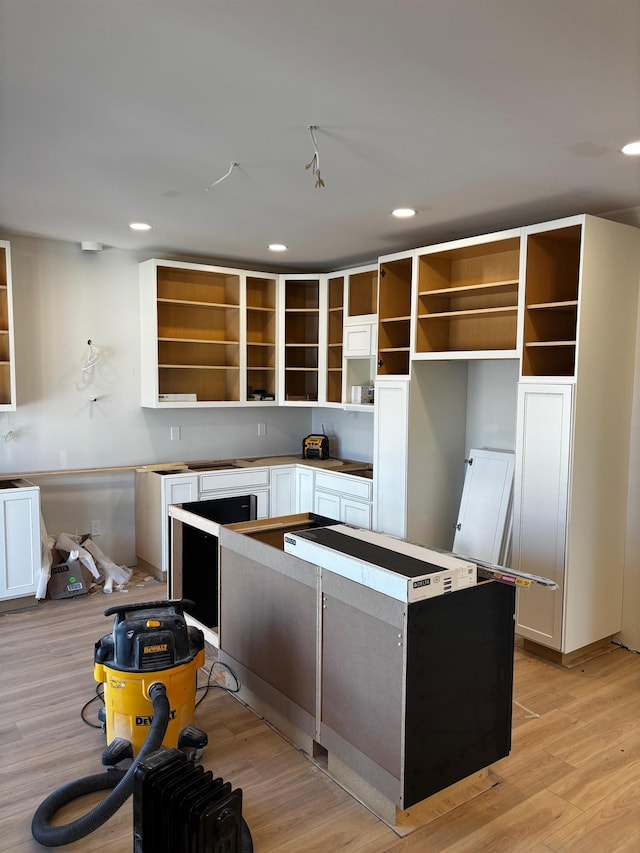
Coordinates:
[69,578]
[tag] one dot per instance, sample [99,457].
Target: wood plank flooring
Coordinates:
[571,783]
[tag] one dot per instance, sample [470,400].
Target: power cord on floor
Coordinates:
[205,687]
[100,692]
[98,696]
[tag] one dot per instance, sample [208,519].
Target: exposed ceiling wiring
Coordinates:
[93,356]
[314,163]
[220,180]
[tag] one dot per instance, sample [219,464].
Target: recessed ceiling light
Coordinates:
[277,247]
[139,226]
[403,212]
[631,148]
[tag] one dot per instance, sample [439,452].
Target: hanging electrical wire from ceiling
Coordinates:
[93,356]
[220,180]
[314,163]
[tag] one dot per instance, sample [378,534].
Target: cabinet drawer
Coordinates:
[353,487]
[239,479]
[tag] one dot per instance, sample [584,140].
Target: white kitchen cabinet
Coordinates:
[303,319]
[326,504]
[390,456]
[304,488]
[20,548]
[352,305]
[360,340]
[7,354]
[283,490]
[357,513]
[155,491]
[574,423]
[208,335]
[541,498]
[344,497]
[395,298]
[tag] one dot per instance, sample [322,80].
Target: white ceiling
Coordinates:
[482,114]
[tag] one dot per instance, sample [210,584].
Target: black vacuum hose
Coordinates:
[119,780]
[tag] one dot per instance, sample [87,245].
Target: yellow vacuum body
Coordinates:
[150,643]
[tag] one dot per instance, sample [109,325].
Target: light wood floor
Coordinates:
[571,783]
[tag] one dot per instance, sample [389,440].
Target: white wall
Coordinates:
[350,433]
[492,397]
[62,298]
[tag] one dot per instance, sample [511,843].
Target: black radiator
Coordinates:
[178,807]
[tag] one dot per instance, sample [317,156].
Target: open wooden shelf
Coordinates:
[7,383]
[301,333]
[261,337]
[394,316]
[363,293]
[335,319]
[468,298]
[551,302]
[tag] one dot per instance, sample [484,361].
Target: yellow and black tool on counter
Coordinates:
[315,446]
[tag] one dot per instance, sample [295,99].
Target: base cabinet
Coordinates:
[155,491]
[337,666]
[442,710]
[20,559]
[540,506]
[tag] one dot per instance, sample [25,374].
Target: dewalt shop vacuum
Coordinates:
[148,666]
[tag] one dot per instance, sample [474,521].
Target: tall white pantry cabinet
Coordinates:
[573,427]
[550,309]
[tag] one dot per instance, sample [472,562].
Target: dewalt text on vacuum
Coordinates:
[148,665]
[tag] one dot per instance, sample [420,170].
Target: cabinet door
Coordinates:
[327,504]
[19,542]
[390,449]
[283,490]
[357,340]
[356,513]
[304,489]
[541,504]
[176,489]
[486,499]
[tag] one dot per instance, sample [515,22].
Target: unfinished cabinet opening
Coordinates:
[5,333]
[302,299]
[335,319]
[468,299]
[198,334]
[551,302]
[394,317]
[363,293]
[261,338]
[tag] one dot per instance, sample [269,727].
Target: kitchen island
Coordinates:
[403,698]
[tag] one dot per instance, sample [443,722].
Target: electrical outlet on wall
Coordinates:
[175,433]
[262,429]
[96,528]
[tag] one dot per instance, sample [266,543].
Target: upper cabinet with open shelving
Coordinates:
[261,338]
[394,315]
[303,325]
[551,302]
[207,333]
[215,336]
[335,324]
[7,360]
[468,297]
